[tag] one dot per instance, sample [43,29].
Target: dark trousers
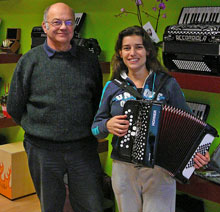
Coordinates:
[82,165]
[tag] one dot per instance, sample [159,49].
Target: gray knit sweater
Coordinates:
[54,97]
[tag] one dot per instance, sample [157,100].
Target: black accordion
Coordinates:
[163,135]
[193,44]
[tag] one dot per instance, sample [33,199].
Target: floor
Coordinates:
[25,204]
[31,203]
[28,203]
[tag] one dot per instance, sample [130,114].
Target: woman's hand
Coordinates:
[201,160]
[118,125]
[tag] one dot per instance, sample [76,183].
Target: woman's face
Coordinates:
[133,53]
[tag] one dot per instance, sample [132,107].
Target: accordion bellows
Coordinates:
[165,136]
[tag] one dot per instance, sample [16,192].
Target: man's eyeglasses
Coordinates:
[58,23]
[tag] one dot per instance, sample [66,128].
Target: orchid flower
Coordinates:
[139,2]
[160,5]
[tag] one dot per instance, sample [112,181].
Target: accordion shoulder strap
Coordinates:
[127,88]
[135,93]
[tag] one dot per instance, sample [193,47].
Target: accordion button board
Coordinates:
[203,147]
[141,135]
[137,145]
[125,144]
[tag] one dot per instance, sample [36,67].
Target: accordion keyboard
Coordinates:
[200,110]
[78,18]
[200,15]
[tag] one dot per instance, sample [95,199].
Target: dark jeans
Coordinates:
[82,165]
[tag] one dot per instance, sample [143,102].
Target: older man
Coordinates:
[54,94]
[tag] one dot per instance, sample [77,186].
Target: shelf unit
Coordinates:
[4,59]
[198,82]
[9,58]
[105,66]
[7,122]
[201,188]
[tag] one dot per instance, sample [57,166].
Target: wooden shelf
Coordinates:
[9,58]
[102,145]
[105,66]
[7,122]
[198,82]
[13,58]
[201,188]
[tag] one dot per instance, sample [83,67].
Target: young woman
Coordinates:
[138,189]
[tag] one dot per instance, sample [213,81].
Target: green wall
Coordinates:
[100,23]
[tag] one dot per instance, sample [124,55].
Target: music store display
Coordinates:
[165,136]
[193,44]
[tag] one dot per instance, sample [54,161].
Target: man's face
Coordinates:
[59,27]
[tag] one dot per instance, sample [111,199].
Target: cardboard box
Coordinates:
[15,179]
